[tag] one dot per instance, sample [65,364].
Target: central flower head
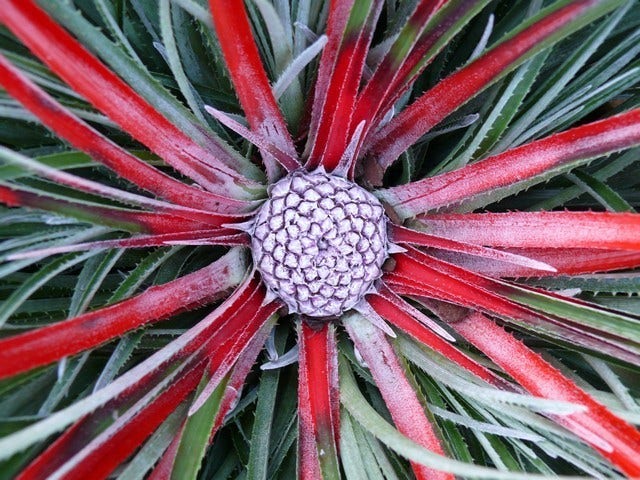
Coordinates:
[319,242]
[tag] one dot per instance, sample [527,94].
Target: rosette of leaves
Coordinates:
[139,140]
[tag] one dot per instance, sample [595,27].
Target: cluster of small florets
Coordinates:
[319,242]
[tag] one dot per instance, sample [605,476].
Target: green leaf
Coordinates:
[195,435]
[553,87]
[353,401]
[613,166]
[605,195]
[352,453]
[261,438]
[291,102]
[600,319]
[172,56]
[90,279]
[38,279]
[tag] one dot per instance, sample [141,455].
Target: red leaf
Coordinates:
[458,88]
[238,376]
[396,71]
[228,343]
[331,135]
[401,400]
[119,218]
[98,461]
[398,312]
[48,344]
[425,276]
[134,384]
[405,235]
[339,11]
[162,469]
[515,166]
[264,143]
[245,360]
[249,78]
[567,261]
[318,402]
[84,137]
[612,437]
[83,72]
[566,230]
[198,237]
[434,278]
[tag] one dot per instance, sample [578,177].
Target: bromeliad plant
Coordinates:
[432,322]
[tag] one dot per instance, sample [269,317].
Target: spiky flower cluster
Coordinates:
[319,242]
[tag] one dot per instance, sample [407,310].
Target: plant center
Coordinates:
[319,242]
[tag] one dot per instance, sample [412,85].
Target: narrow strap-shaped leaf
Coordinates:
[197,237]
[355,403]
[258,139]
[449,19]
[203,423]
[318,403]
[574,310]
[170,358]
[570,310]
[249,78]
[128,220]
[115,29]
[405,235]
[406,410]
[567,230]
[62,339]
[81,184]
[615,439]
[104,453]
[425,276]
[82,71]
[67,445]
[515,169]
[226,345]
[562,332]
[263,436]
[566,261]
[36,280]
[241,369]
[413,49]
[144,458]
[140,382]
[173,58]
[332,132]
[288,77]
[152,90]
[183,458]
[444,285]
[386,303]
[606,196]
[162,469]
[432,107]
[390,298]
[557,85]
[379,85]
[279,28]
[339,11]
[89,140]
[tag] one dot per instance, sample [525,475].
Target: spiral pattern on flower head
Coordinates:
[319,242]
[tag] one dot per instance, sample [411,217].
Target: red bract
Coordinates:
[456,263]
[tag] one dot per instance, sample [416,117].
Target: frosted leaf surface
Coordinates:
[319,242]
